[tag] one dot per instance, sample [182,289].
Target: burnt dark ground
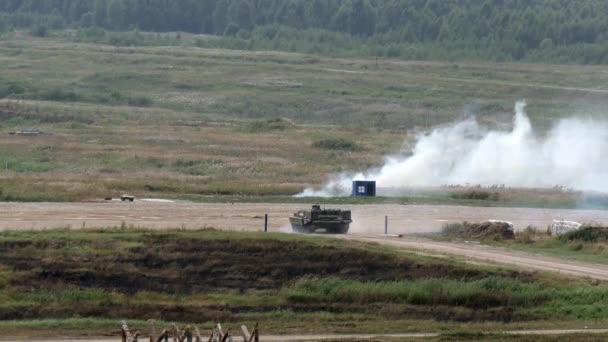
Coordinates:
[182,264]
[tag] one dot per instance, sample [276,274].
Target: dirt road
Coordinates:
[482,253]
[377,337]
[369,224]
[403,219]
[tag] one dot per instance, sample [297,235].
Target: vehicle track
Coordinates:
[495,255]
[158,214]
[367,227]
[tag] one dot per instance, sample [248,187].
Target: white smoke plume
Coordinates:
[573,154]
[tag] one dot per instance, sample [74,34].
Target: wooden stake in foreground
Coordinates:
[126,334]
[152,330]
[198,335]
[163,337]
[250,337]
[188,334]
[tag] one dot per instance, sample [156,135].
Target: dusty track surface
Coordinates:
[382,337]
[369,223]
[481,253]
[403,219]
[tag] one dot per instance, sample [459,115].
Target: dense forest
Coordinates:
[561,30]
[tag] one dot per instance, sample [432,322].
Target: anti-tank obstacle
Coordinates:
[126,334]
[188,334]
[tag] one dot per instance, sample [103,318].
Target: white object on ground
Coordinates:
[510,224]
[559,227]
[392,235]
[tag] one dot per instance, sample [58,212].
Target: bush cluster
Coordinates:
[340,144]
[476,195]
[266,125]
[586,234]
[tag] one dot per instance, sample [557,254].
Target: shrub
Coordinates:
[12,88]
[40,31]
[140,101]
[196,167]
[266,125]
[577,247]
[15,88]
[243,34]
[453,229]
[336,144]
[393,51]
[480,195]
[60,95]
[484,230]
[586,234]
[231,30]
[546,44]
[527,235]
[91,34]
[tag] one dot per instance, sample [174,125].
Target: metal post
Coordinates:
[385,225]
[266,223]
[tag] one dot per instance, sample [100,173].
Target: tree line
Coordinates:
[516,28]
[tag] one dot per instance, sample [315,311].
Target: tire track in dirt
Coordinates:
[403,219]
[494,255]
[368,223]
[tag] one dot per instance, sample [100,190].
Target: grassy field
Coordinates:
[181,121]
[81,283]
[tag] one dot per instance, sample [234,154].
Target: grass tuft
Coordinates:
[482,294]
[340,144]
[266,125]
[472,194]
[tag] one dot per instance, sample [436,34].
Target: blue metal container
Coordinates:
[364,188]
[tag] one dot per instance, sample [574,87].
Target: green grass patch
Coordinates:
[37,160]
[198,167]
[482,294]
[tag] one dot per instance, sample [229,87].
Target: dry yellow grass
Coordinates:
[182,120]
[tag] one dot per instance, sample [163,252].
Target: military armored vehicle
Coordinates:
[127,198]
[334,221]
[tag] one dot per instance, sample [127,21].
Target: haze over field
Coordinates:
[572,154]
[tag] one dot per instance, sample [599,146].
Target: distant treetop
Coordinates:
[515,25]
